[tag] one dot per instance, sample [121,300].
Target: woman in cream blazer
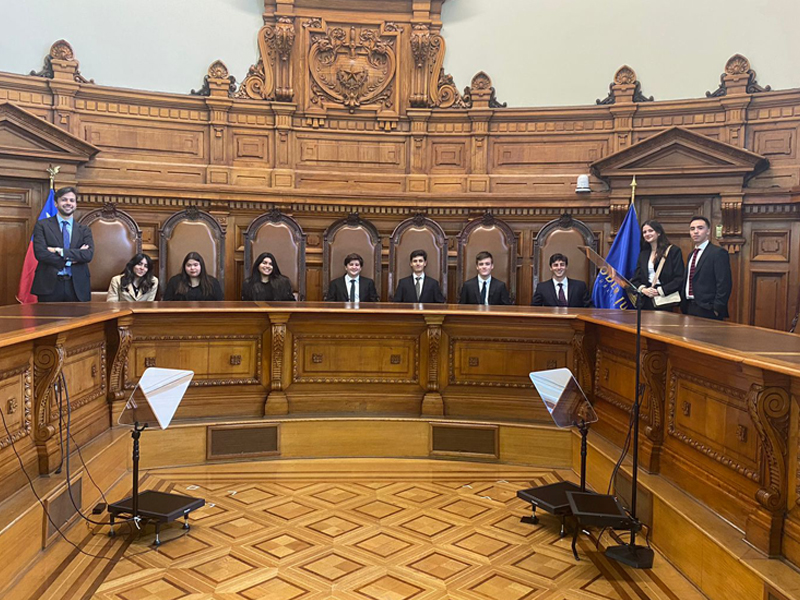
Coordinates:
[136,284]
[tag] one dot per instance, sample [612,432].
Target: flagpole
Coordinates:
[631,554]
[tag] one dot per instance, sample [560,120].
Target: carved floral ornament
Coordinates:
[625,76]
[737,67]
[270,77]
[218,76]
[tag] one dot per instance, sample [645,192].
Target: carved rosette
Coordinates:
[47,366]
[654,373]
[353,67]
[769,410]
[481,94]
[738,78]
[61,61]
[218,80]
[625,88]
[116,387]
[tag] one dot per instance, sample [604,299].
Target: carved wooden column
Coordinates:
[65,81]
[654,380]
[48,362]
[583,357]
[418,179]
[277,403]
[116,379]
[283,174]
[432,403]
[768,406]
[219,88]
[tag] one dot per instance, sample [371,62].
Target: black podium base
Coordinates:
[159,507]
[638,557]
[550,498]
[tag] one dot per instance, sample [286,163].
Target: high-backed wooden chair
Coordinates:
[496,237]
[564,235]
[418,233]
[352,234]
[117,238]
[282,236]
[191,230]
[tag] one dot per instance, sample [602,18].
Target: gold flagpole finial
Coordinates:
[633,189]
[53,172]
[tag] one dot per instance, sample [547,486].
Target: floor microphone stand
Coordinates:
[631,554]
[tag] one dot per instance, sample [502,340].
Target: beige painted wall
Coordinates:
[538,52]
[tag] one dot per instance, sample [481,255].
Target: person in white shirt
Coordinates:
[484,289]
[353,287]
[418,287]
[707,286]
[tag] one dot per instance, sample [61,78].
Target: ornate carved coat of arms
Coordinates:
[353,68]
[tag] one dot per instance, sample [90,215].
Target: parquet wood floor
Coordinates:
[351,530]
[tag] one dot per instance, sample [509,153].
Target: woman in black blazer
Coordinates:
[655,245]
[266,283]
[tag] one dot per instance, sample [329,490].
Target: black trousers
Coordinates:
[64,291]
[695,310]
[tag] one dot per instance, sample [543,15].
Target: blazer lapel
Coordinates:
[702,260]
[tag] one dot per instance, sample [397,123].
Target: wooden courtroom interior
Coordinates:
[375,451]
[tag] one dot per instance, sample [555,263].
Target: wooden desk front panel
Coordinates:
[225,351]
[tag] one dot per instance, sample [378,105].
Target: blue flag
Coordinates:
[623,256]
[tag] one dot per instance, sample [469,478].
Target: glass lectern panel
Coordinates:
[156,397]
[563,397]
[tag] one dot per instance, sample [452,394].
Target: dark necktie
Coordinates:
[65,246]
[419,287]
[562,299]
[691,269]
[483,293]
[352,290]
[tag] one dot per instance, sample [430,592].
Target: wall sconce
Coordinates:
[583,185]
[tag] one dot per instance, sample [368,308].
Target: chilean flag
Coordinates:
[24,295]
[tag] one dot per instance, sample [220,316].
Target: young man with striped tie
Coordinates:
[707,286]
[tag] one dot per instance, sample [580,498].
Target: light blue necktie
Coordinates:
[65,234]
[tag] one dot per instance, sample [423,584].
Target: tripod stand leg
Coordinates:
[563,526]
[575,541]
[532,520]
[111,532]
[158,529]
[186,522]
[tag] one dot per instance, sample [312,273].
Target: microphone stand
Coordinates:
[631,554]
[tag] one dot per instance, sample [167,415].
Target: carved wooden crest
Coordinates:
[353,67]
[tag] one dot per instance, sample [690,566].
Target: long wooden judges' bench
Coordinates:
[720,410]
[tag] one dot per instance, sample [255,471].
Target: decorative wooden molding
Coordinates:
[116,382]
[48,364]
[738,78]
[625,89]
[769,410]
[481,94]
[24,429]
[271,77]
[654,375]
[218,82]
[431,87]
[60,63]
[714,454]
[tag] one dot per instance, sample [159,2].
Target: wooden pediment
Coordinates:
[25,136]
[679,151]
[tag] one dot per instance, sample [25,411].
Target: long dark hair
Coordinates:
[185,283]
[281,286]
[663,241]
[147,281]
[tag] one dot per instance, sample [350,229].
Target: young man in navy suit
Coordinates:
[353,287]
[560,290]
[484,289]
[64,249]
[707,286]
[418,287]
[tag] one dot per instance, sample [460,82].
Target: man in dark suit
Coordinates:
[418,287]
[64,249]
[353,287]
[560,290]
[484,289]
[707,286]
